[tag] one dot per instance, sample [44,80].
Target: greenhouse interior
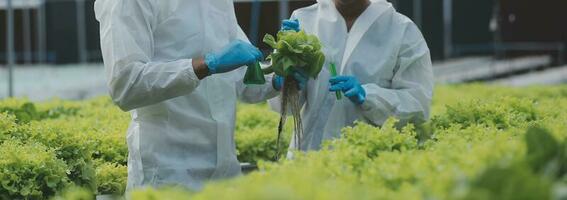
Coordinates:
[283,99]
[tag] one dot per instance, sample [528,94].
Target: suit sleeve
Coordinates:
[127,44]
[409,99]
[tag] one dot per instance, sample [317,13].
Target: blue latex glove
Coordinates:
[301,78]
[290,25]
[277,82]
[231,57]
[350,86]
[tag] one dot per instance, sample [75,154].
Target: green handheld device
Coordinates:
[254,75]
[334,73]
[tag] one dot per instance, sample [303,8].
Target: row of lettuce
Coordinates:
[48,147]
[483,142]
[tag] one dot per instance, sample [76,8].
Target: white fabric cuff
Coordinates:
[368,103]
[190,71]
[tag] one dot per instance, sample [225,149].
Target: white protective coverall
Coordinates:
[182,129]
[384,50]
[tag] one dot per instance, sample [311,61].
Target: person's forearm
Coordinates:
[137,83]
[256,93]
[200,68]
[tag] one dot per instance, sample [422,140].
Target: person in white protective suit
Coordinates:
[383,63]
[176,66]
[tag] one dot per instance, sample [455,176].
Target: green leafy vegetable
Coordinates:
[295,50]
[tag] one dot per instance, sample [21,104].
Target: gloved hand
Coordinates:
[350,86]
[232,56]
[290,25]
[300,77]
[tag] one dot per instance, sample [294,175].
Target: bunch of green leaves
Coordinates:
[546,155]
[75,193]
[27,112]
[75,133]
[104,125]
[255,139]
[165,193]
[254,145]
[531,178]
[111,148]
[111,179]
[74,148]
[7,125]
[509,183]
[295,51]
[372,140]
[30,171]
[501,113]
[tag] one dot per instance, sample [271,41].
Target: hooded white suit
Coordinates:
[384,50]
[182,129]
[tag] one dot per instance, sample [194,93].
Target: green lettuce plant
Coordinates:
[295,51]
